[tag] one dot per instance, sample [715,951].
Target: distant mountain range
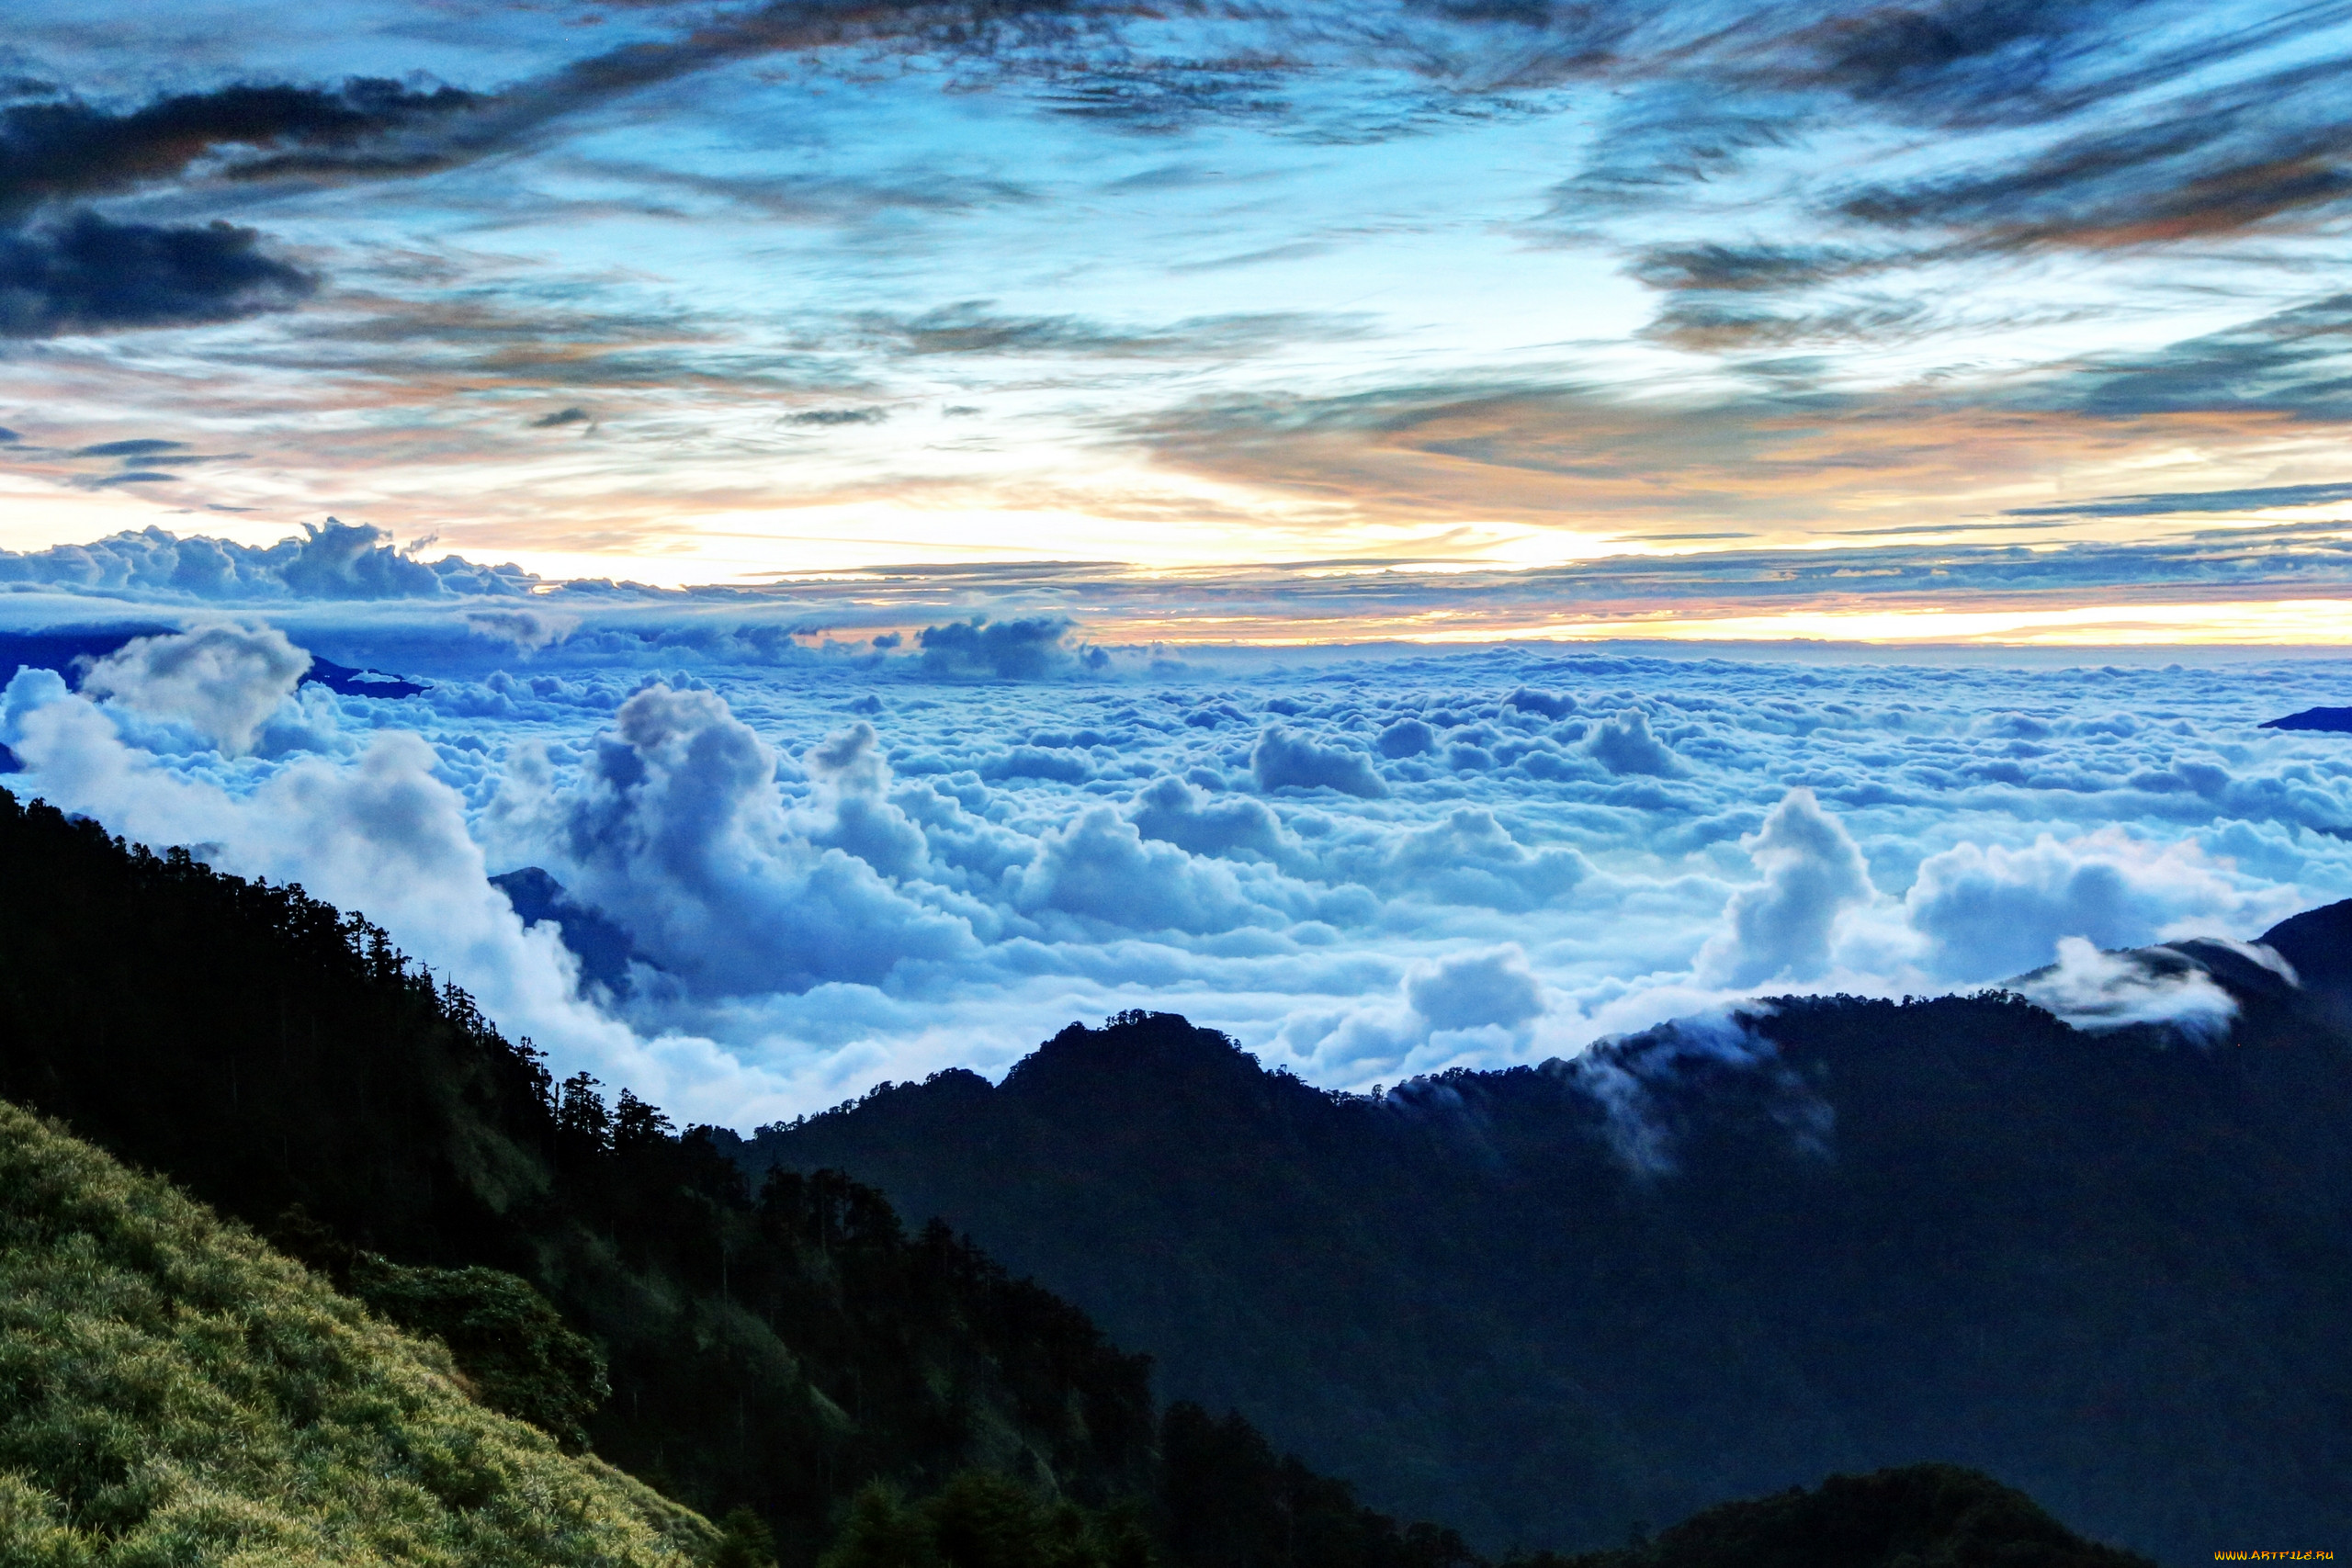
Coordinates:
[72,650]
[1555,1303]
[2335,721]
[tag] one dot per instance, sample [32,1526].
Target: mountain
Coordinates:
[593,1270]
[853,1394]
[178,1393]
[72,650]
[603,948]
[1926,1516]
[2326,720]
[1557,1304]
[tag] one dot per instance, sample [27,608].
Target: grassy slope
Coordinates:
[172,1391]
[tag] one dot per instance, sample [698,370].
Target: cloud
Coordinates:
[1476,990]
[1282,760]
[1624,745]
[1781,928]
[60,149]
[1176,812]
[1989,912]
[973,327]
[1482,999]
[1024,649]
[526,629]
[1654,1085]
[88,274]
[2095,990]
[840,865]
[574,415]
[676,830]
[384,836]
[2172,503]
[1407,737]
[331,561]
[2240,155]
[222,681]
[1101,865]
[1716,267]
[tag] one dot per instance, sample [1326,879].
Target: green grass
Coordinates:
[173,1392]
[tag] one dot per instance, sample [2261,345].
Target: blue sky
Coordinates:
[719,293]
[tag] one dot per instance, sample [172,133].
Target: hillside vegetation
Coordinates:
[172,1391]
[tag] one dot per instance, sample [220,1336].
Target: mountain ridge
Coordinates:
[1711,1259]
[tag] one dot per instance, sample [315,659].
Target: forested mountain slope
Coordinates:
[778,1347]
[1718,1259]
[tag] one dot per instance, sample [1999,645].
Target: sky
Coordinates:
[1980,320]
[1423,535]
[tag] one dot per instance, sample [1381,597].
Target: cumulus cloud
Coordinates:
[1781,928]
[383,835]
[1006,651]
[1182,814]
[1101,865]
[1476,990]
[1407,737]
[677,830]
[224,681]
[332,561]
[523,628]
[1483,1000]
[1988,912]
[1624,745]
[1282,760]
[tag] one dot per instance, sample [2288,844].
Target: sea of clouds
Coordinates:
[844,860]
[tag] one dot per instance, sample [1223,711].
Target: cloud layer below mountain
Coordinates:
[838,864]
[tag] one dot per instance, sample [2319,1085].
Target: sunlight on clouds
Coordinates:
[2260,624]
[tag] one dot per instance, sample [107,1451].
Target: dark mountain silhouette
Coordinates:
[1716,1259]
[1927,1516]
[72,650]
[603,949]
[593,1270]
[69,651]
[2329,721]
[347,681]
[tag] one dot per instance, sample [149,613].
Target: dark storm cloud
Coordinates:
[562,417]
[91,275]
